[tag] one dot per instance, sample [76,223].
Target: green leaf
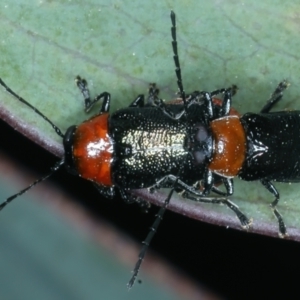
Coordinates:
[121,47]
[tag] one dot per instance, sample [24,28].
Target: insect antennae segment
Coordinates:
[176,58]
[147,241]
[57,130]
[195,141]
[55,168]
[162,210]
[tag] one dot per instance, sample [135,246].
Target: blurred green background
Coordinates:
[56,251]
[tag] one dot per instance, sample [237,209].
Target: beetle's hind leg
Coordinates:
[271,188]
[244,220]
[190,192]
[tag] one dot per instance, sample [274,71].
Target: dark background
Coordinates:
[234,264]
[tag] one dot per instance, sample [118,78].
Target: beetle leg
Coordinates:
[245,221]
[153,99]
[169,113]
[228,183]
[138,102]
[88,103]
[275,97]
[208,182]
[201,96]
[189,192]
[227,100]
[195,97]
[233,90]
[226,104]
[271,188]
[168,181]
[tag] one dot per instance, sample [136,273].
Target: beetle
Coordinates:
[196,141]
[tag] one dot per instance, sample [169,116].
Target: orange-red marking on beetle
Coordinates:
[93,149]
[229,146]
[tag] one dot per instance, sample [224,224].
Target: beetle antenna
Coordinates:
[162,210]
[57,130]
[176,59]
[55,168]
[147,241]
